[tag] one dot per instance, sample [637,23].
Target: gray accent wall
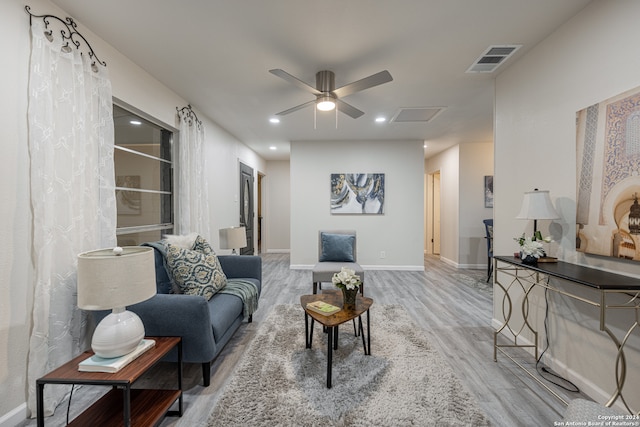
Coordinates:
[393,240]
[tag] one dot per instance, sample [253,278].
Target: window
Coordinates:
[144,185]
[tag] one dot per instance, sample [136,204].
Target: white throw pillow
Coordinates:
[181,241]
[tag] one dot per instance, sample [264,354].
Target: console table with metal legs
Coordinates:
[512,275]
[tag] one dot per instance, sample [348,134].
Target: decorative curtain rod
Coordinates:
[187,113]
[70,34]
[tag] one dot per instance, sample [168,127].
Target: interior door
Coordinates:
[246,206]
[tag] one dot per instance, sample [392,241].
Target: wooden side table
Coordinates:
[332,322]
[136,407]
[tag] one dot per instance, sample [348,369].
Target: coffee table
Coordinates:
[332,322]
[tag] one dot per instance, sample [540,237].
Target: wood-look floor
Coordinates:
[455,316]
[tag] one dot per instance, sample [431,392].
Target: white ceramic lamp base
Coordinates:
[117,334]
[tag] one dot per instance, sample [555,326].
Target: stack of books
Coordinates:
[114,364]
[322,307]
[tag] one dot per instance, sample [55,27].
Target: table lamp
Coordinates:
[232,238]
[111,279]
[537,205]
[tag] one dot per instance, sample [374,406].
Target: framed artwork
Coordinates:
[608,179]
[128,202]
[357,193]
[488,191]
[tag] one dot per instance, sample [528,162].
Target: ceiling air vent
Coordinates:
[492,58]
[416,114]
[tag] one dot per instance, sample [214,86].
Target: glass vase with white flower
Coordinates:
[349,282]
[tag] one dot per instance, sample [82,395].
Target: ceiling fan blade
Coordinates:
[296,108]
[291,79]
[348,109]
[362,84]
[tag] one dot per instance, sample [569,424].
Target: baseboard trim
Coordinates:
[394,267]
[14,417]
[366,267]
[278,251]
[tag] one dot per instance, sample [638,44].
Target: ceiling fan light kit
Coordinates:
[325,103]
[327,96]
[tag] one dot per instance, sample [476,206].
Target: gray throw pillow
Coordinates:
[337,247]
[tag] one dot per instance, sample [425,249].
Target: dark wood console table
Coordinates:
[518,276]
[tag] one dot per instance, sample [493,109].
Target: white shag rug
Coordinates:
[404,382]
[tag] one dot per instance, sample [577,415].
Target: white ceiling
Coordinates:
[217,54]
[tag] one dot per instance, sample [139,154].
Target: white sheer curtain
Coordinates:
[193,194]
[72,194]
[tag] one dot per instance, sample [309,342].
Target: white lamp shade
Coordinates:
[537,205]
[113,279]
[233,238]
[107,280]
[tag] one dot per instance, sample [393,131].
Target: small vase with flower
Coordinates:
[531,248]
[349,282]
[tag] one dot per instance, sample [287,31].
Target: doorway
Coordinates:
[246,206]
[434,226]
[259,231]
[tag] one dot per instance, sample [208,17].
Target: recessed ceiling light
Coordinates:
[135,122]
[425,145]
[273,147]
[380,119]
[274,120]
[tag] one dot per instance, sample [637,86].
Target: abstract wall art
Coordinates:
[357,193]
[608,177]
[488,191]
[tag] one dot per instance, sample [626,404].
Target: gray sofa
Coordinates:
[205,326]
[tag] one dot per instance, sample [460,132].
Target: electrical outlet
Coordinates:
[383,254]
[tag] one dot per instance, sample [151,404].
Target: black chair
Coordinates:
[488,227]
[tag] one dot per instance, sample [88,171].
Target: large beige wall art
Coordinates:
[608,172]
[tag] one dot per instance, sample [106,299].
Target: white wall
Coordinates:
[462,170]
[130,84]
[589,59]
[399,232]
[476,161]
[16,272]
[277,207]
[224,153]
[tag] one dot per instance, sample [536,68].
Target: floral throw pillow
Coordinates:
[195,272]
[202,246]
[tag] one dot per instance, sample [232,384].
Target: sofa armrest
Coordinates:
[185,316]
[241,266]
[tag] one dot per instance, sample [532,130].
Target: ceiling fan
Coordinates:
[327,96]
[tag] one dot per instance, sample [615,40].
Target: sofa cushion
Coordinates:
[224,309]
[194,272]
